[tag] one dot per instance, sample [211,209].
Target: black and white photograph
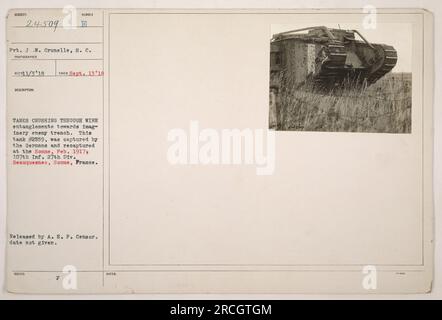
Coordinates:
[341,78]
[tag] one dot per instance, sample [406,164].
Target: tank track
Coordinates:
[333,70]
[333,67]
[389,59]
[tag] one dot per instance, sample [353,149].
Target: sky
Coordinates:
[399,35]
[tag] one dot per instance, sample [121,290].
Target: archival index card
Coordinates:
[224,151]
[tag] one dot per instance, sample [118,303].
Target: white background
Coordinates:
[434,6]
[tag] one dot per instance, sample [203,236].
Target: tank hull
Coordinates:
[327,58]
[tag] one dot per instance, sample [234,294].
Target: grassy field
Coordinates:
[382,107]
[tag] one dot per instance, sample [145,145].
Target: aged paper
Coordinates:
[229,151]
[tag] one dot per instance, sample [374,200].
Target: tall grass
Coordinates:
[382,107]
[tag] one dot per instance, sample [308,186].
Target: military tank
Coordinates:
[327,57]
